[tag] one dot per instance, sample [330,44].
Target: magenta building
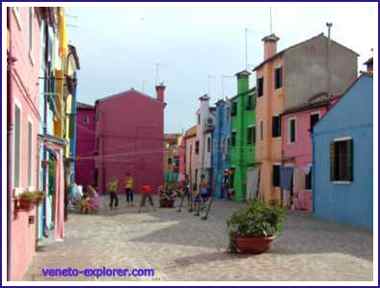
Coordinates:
[130,138]
[297,123]
[85,164]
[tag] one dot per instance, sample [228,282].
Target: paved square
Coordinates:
[180,246]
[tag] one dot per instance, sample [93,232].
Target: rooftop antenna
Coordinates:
[270,20]
[329,25]
[157,72]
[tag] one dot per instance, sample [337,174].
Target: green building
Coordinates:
[243,134]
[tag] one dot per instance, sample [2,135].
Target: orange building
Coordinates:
[287,79]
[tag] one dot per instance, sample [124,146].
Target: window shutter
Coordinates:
[332,161]
[350,160]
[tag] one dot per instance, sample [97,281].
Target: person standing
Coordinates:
[112,189]
[146,192]
[129,183]
[185,193]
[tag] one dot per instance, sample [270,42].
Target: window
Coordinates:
[86,120]
[197,147]
[234,109]
[276,126]
[278,78]
[233,138]
[276,175]
[30,153]
[208,144]
[249,103]
[260,87]
[341,160]
[314,118]
[17,135]
[261,130]
[251,135]
[169,161]
[308,181]
[291,130]
[199,119]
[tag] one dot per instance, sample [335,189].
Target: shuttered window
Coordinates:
[276,126]
[260,87]
[233,139]
[234,109]
[278,78]
[292,130]
[251,135]
[341,160]
[197,147]
[276,175]
[208,144]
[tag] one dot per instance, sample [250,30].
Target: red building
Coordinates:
[85,164]
[130,138]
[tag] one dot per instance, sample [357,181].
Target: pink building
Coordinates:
[182,157]
[130,138]
[23,56]
[296,151]
[85,164]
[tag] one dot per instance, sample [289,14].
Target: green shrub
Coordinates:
[256,220]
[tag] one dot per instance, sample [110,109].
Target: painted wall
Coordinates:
[306,71]
[350,203]
[242,155]
[191,157]
[85,164]
[220,138]
[130,138]
[24,82]
[299,153]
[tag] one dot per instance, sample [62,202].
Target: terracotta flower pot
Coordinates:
[253,245]
[26,205]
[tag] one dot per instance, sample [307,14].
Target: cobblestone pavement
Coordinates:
[180,246]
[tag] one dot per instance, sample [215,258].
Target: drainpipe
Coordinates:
[10,61]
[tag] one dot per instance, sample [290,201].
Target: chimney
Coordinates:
[160,92]
[270,45]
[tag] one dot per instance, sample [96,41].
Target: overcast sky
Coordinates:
[119,47]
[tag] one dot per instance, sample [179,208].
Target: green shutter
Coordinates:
[332,161]
[350,160]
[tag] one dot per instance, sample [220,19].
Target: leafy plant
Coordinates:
[32,196]
[258,219]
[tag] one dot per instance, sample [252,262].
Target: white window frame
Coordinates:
[341,139]
[30,157]
[17,189]
[16,13]
[295,130]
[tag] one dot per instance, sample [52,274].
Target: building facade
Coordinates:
[191,158]
[85,148]
[130,138]
[243,138]
[220,142]
[287,79]
[343,158]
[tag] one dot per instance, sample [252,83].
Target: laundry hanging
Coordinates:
[286,177]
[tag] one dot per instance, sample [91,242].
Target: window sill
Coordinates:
[342,182]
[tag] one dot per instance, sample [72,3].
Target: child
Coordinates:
[129,188]
[146,192]
[112,189]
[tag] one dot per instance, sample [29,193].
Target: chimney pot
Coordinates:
[160,92]
[270,45]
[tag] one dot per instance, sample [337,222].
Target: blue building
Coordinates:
[220,140]
[343,158]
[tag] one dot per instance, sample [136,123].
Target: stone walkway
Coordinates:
[180,246]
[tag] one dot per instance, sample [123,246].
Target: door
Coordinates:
[252,181]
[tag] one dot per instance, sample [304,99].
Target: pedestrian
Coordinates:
[185,193]
[146,193]
[129,183]
[112,189]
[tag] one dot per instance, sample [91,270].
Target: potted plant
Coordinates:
[253,228]
[28,199]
